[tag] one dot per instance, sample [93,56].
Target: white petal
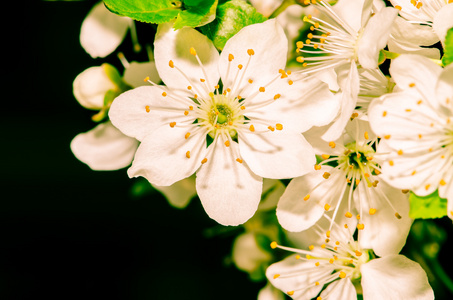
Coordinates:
[104,148]
[443,21]
[444,89]
[129,114]
[179,193]
[375,37]
[269,43]
[175,45]
[90,86]
[246,253]
[351,11]
[395,277]
[136,72]
[269,292]
[349,82]
[300,106]
[409,69]
[296,214]
[276,154]
[229,191]
[102,31]
[343,289]
[296,275]
[161,157]
[383,232]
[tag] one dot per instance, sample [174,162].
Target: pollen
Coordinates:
[398,7]
[240,67]
[188,154]
[164,94]
[342,275]
[326,207]
[366,136]
[227,143]
[147,108]
[384,113]
[332,144]
[204,160]
[274,245]
[290,82]
[187,135]
[271,128]
[360,226]
[317,167]
[146,79]
[307,197]
[325,156]
[230,57]
[250,81]
[290,293]
[348,215]
[400,152]
[300,59]
[427,186]
[250,52]
[239,160]
[186,112]
[279,126]
[300,44]
[171,64]
[277,96]
[372,211]
[242,107]
[262,89]
[252,128]
[391,163]
[442,182]
[192,51]
[172,124]
[326,175]
[411,84]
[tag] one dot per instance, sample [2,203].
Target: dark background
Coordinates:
[67,232]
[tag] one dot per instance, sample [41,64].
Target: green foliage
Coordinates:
[428,207]
[232,16]
[448,51]
[190,13]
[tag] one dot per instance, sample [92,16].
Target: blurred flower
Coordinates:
[416,126]
[102,31]
[339,267]
[231,138]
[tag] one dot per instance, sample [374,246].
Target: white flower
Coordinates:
[354,184]
[230,138]
[416,125]
[105,147]
[340,268]
[349,35]
[102,31]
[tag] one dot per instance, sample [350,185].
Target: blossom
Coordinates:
[348,177]
[339,267]
[416,127]
[102,31]
[231,135]
[105,147]
[349,36]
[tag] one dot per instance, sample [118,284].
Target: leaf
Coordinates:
[191,13]
[428,207]
[448,51]
[231,17]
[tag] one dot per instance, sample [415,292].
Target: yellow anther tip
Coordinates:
[274,245]
[192,51]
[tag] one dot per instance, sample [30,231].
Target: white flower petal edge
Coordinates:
[395,277]
[443,21]
[102,31]
[104,148]
[229,191]
[179,193]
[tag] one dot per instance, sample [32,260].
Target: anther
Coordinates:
[277,96]
[230,57]
[326,175]
[290,293]
[391,163]
[239,160]
[279,126]
[411,84]
[372,211]
[290,82]
[317,167]
[240,67]
[325,156]
[252,128]
[360,226]
[188,154]
[271,128]
[311,247]
[250,81]
[326,207]
[274,245]
[204,160]
[187,135]
[307,197]
[242,107]
[358,253]
[366,135]
[171,64]
[172,124]
[164,94]
[186,112]
[262,89]
[147,109]
[146,79]
[442,182]
[384,113]
[398,216]
[332,144]
[276,276]
[342,275]
[192,51]
[227,143]
[300,59]
[250,52]
[300,44]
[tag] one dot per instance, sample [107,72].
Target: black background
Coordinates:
[67,232]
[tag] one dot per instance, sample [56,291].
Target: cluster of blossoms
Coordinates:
[354,141]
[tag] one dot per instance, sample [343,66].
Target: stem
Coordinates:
[441,274]
[390,55]
[282,8]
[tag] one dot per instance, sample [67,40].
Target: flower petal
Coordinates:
[136,72]
[343,289]
[179,193]
[90,86]
[375,36]
[269,45]
[443,21]
[276,154]
[104,148]
[383,232]
[229,191]
[102,31]
[395,277]
[136,112]
[418,73]
[175,45]
[162,156]
[292,274]
[303,202]
[444,89]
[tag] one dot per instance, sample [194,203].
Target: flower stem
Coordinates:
[282,7]
[390,55]
[441,274]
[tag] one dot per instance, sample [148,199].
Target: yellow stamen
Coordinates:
[192,51]
[188,154]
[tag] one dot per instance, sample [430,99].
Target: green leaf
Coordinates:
[232,16]
[448,51]
[428,207]
[191,13]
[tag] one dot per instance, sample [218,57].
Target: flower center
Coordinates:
[220,114]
